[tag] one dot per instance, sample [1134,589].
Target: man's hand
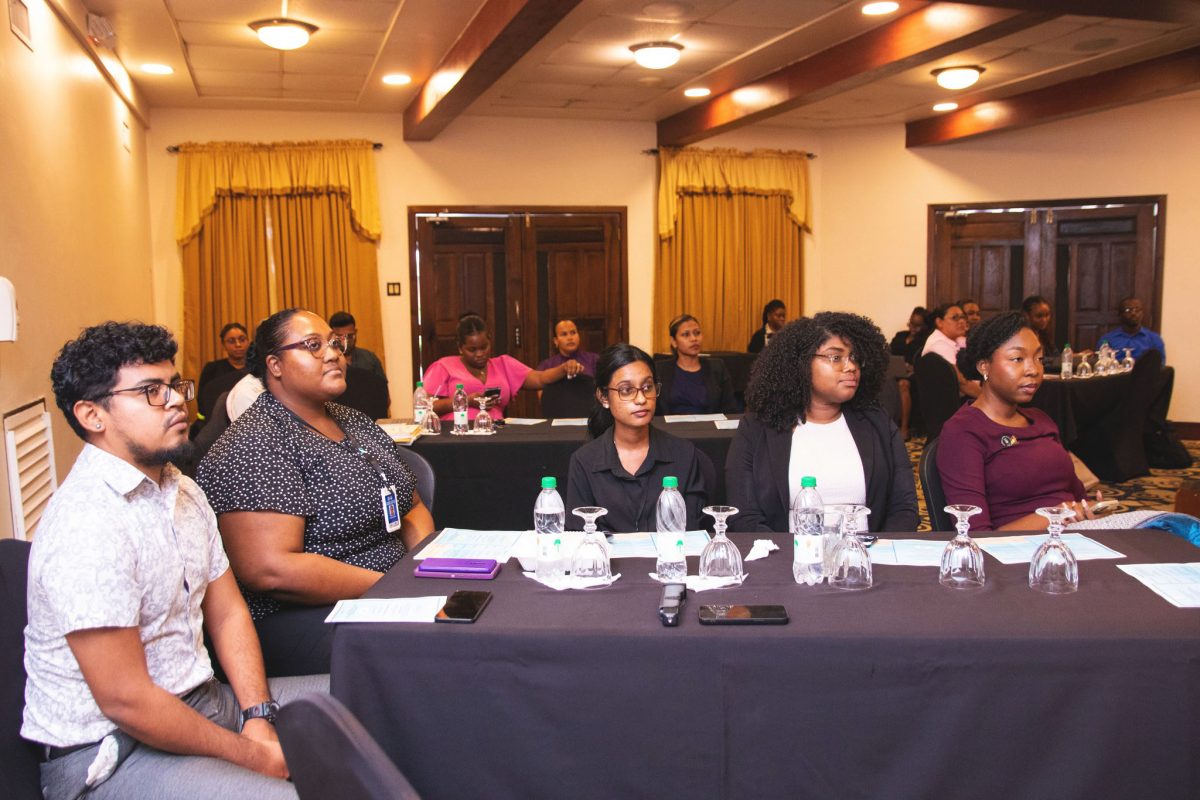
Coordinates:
[265,757]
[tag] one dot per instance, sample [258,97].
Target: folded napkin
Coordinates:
[572,582]
[761,549]
[695,583]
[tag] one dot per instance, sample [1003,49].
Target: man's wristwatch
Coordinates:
[267,711]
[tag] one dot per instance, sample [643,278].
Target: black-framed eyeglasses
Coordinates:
[159,394]
[649,391]
[315,345]
[837,359]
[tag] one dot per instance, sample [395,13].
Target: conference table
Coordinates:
[1078,403]
[907,690]
[490,482]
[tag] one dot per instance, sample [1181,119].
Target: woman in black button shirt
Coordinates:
[296,484]
[691,384]
[622,468]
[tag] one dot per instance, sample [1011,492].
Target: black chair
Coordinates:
[366,392]
[1114,447]
[938,385]
[20,777]
[330,754]
[569,398]
[931,487]
[426,480]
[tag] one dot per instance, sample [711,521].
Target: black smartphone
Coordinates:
[673,597]
[492,392]
[743,615]
[463,606]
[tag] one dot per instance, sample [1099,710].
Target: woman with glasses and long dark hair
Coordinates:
[312,502]
[813,410]
[623,467]
[692,384]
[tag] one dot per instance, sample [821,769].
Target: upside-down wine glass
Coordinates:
[1054,569]
[1085,367]
[962,560]
[720,557]
[851,561]
[483,420]
[431,422]
[1127,362]
[591,557]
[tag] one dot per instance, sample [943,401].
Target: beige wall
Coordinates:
[73,213]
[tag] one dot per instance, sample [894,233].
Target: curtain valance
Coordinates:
[279,168]
[731,171]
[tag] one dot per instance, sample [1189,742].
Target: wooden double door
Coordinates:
[1082,256]
[522,270]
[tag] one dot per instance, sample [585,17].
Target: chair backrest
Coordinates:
[931,487]
[569,398]
[426,480]
[938,393]
[330,754]
[19,772]
[366,392]
[214,426]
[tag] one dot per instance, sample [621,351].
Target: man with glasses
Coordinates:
[1131,334]
[343,325]
[126,573]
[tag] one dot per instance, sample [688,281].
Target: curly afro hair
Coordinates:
[985,337]
[780,388]
[86,368]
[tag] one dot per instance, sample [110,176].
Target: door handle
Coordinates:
[517,336]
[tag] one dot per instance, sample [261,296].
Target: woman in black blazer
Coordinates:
[817,385]
[691,384]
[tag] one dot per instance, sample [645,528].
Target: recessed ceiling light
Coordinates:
[656,55]
[945,106]
[876,9]
[957,77]
[157,69]
[283,33]
[397,79]
[697,91]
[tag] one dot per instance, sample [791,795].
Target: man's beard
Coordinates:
[157,458]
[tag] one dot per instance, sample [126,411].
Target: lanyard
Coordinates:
[352,442]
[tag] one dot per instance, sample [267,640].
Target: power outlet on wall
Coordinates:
[910,280]
[393,289]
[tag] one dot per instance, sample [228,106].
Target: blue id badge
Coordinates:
[391,508]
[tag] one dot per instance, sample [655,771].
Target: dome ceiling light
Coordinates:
[656,55]
[957,77]
[281,32]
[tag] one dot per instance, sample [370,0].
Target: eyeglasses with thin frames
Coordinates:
[315,345]
[837,359]
[159,394]
[627,393]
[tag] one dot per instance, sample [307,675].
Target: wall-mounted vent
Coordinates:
[29,450]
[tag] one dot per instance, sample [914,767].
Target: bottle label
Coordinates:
[460,418]
[807,549]
[419,414]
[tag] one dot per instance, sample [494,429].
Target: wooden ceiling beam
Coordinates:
[1181,11]
[1136,83]
[492,42]
[924,35]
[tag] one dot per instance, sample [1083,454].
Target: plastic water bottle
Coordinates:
[805,524]
[1067,355]
[671,525]
[459,403]
[549,519]
[420,403]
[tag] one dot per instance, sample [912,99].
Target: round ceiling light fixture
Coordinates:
[945,106]
[397,79]
[158,69]
[656,55]
[283,33]
[957,77]
[697,91]
[879,8]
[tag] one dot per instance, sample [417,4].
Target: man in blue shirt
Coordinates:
[1131,334]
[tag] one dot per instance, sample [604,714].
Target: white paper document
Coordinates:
[1178,584]
[463,543]
[401,432]
[694,417]
[907,552]
[577,422]
[388,609]
[726,424]
[1020,549]
[523,421]
[641,545]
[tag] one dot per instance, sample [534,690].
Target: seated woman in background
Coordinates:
[1037,311]
[947,340]
[623,467]
[295,483]
[813,410]
[476,369]
[691,384]
[235,340]
[774,316]
[908,343]
[993,453]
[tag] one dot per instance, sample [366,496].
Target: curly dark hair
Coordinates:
[268,337]
[86,368]
[984,338]
[780,389]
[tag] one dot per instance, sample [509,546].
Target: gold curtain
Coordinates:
[730,227]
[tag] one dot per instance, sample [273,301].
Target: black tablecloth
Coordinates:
[490,482]
[1076,404]
[908,690]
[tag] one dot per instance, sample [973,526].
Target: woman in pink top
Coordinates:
[476,369]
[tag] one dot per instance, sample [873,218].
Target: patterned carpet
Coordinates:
[1156,490]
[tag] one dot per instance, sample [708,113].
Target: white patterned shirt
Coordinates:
[116,550]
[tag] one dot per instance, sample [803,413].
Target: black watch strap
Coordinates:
[267,711]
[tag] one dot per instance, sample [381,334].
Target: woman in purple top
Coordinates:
[476,369]
[993,453]
[567,348]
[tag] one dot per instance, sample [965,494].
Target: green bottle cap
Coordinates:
[670,482]
[808,481]
[1066,345]
[458,386]
[420,384]
[548,482]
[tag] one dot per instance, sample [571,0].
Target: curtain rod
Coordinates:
[654,151]
[174,148]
